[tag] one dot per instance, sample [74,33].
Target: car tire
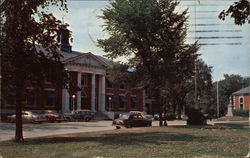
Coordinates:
[128,126]
[150,124]
[12,120]
[87,119]
[117,127]
[52,119]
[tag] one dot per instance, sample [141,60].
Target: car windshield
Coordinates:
[50,112]
[123,117]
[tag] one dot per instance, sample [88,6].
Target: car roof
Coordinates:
[136,112]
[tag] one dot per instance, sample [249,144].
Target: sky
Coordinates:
[224,45]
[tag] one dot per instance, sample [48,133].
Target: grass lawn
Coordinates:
[156,142]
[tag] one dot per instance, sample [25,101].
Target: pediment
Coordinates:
[87,59]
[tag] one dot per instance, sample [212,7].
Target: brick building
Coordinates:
[96,92]
[241,99]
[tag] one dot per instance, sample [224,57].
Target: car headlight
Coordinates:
[120,122]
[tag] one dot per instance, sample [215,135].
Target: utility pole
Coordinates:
[1,31]
[218,103]
[195,66]
[195,86]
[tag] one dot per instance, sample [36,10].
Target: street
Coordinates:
[7,130]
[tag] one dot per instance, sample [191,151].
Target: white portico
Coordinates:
[95,68]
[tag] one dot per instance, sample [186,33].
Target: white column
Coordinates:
[102,93]
[79,93]
[65,101]
[93,93]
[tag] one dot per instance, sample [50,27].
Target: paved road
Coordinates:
[7,130]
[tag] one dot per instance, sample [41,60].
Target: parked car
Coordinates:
[80,115]
[28,116]
[52,116]
[150,117]
[156,117]
[137,112]
[131,120]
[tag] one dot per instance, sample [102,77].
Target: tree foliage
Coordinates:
[227,86]
[240,11]
[152,35]
[29,49]
[204,86]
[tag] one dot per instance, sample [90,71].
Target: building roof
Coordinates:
[243,91]
[68,56]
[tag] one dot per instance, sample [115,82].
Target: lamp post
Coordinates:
[73,102]
[110,104]
[218,101]
[199,102]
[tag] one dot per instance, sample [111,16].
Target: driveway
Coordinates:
[7,130]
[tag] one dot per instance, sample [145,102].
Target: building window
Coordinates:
[122,101]
[50,98]
[110,102]
[122,86]
[31,98]
[133,102]
[84,80]
[11,98]
[241,103]
[110,84]
[84,104]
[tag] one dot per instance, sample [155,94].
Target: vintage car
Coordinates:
[28,116]
[149,117]
[80,115]
[52,116]
[131,120]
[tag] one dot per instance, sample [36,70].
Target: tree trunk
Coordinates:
[160,118]
[165,118]
[179,111]
[160,112]
[19,107]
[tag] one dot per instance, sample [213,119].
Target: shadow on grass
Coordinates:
[130,138]
[49,126]
[232,125]
[242,126]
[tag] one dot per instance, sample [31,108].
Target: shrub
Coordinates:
[243,113]
[195,117]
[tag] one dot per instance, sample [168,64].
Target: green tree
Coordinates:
[240,11]
[182,93]
[29,49]
[151,33]
[204,86]
[227,86]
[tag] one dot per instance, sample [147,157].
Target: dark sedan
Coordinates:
[85,115]
[132,120]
